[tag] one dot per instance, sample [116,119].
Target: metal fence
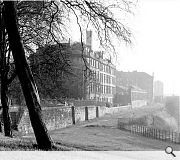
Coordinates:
[150,132]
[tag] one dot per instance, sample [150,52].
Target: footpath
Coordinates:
[102,134]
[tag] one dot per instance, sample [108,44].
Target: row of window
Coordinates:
[103,78]
[102,67]
[101,89]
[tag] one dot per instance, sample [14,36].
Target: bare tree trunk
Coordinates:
[4,84]
[5,105]
[26,79]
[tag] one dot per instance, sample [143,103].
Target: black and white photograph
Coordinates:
[90,79]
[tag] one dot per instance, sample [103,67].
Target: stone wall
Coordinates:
[60,117]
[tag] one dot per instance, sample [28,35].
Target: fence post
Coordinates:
[143,130]
[138,129]
[73,115]
[97,112]
[156,133]
[172,136]
[175,137]
[86,113]
[132,128]
[160,135]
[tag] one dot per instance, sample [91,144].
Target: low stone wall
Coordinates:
[60,117]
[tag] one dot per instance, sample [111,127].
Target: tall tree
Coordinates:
[54,77]
[50,19]
[49,69]
[25,76]
[4,72]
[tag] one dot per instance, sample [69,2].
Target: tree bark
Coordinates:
[5,106]
[4,85]
[26,79]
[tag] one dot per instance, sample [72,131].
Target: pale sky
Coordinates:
[156,48]
[156,44]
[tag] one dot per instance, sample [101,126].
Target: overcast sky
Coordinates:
[156,48]
[156,44]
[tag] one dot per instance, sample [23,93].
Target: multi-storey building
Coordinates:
[141,80]
[101,86]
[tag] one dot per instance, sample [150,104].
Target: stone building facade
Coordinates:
[103,82]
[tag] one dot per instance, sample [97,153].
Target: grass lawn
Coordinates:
[94,135]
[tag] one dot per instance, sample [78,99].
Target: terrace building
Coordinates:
[101,83]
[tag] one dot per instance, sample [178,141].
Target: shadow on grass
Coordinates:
[18,145]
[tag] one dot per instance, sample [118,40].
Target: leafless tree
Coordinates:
[46,22]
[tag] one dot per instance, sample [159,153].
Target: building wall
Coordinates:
[102,85]
[89,39]
[141,80]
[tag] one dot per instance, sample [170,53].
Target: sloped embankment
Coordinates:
[163,120]
[159,119]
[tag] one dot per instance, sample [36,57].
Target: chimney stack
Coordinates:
[89,39]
